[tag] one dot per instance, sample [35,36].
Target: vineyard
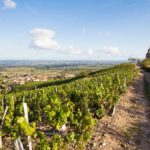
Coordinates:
[62,116]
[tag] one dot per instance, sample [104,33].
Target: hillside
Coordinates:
[64,115]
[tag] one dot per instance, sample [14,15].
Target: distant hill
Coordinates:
[51,64]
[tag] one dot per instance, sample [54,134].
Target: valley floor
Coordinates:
[129,128]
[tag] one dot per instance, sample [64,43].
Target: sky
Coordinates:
[74,29]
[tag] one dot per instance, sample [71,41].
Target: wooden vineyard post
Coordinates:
[18,144]
[56,89]
[6,109]
[1,144]
[27,119]
[112,111]
[3,117]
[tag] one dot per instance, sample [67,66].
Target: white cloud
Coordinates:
[9,4]
[84,30]
[43,39]
[90,51]
[72,50]
[105,33]
[113,51]
[69,50]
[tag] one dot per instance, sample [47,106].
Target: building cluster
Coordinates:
[22,78]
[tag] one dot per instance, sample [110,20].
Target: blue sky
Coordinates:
[74,29]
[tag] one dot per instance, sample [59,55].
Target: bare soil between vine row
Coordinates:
[129,128]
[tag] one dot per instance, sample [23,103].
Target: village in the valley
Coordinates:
[8,80]
[28,77]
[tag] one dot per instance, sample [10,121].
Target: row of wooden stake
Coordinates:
[17,144]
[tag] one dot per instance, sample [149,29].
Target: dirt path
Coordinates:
[129,128]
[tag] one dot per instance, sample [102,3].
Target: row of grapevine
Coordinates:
[64,115]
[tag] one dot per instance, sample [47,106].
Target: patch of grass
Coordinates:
[127,135]
[133,130]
